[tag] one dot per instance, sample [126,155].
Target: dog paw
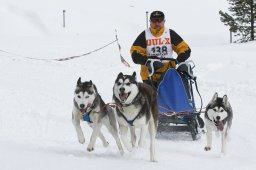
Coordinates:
[105,144]
[133,142]
[129,147]
[81,140]
[222,155]
[153,160]
[207,148]
[89,149]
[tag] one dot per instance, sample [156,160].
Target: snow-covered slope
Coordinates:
[36,96]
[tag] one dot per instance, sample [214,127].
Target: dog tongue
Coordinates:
[123,96]
[220,125]
[82,110]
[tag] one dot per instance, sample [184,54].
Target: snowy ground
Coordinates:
[36,96]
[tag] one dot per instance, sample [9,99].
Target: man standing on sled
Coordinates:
[158,42]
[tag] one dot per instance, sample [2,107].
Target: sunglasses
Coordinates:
[157,20]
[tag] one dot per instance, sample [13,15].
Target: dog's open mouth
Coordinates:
[219,125]
[83,110]
[124,96]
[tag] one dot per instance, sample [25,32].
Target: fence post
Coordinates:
[147,18]
[64,19]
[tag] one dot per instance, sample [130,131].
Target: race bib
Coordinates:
[159,46]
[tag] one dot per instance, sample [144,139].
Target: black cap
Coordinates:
[157,14]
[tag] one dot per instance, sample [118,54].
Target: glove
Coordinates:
[183,57]
[153,64]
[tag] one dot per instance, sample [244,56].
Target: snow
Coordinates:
[36,96]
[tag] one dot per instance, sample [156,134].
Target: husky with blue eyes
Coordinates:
[218,118]
[136,107]
[89,106]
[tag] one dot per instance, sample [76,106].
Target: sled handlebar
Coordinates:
[163,59]
[190,62]
[151,69]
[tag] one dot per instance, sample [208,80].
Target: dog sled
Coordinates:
[176,102]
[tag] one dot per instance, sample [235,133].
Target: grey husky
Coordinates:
[136,107]
[218,118]
[89,106]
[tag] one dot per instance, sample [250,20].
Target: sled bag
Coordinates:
[172,95]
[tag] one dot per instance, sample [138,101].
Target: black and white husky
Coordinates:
[136,107]
[218,118]
[89,106]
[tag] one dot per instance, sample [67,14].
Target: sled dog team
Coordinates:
[136,107]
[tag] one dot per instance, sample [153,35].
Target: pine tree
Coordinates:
[242,19]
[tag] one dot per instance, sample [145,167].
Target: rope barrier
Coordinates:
[20,56]
[70,58]
[73,57]
[61,59]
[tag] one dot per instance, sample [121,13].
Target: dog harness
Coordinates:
[130,122]
[86,117]
[121,105]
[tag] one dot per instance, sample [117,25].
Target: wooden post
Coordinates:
[230,36]
[147,18]
[252,19]
[64,19]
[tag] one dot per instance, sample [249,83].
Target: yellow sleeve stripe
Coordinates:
[139,50]
[181,47]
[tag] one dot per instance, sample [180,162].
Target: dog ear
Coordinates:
[120,74]
[95,88]
[79,81]
[225,100]
[90,83]
[215,96]
[134,75]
